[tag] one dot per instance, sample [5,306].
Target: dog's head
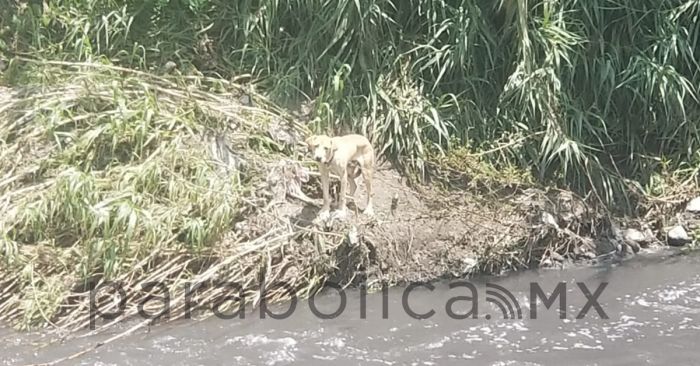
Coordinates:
[321,148]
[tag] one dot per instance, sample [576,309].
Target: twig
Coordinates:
[304,199]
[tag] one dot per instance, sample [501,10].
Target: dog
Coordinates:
[348,157]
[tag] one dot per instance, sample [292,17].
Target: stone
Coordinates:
[557,257]
[677,236]
[549,220]
[633,246]
[635,239]
[246,100]
[470,264]
[693,206]
[634,235]
[169,67]
[693,225]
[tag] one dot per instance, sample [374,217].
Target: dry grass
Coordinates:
[109,174]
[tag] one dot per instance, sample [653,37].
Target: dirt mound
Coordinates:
[420,234]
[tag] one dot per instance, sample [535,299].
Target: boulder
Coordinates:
[634,235]
[693,206]
[677,236]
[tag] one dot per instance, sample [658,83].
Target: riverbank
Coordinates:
[643,317]
[112,175]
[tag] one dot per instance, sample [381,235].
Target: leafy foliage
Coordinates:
[607,89]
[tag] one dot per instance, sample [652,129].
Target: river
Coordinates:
[652,306]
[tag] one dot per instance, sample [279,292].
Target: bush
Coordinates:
[599,94]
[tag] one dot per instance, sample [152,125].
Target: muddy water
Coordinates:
[652,304]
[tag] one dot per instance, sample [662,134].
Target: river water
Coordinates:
[649,313]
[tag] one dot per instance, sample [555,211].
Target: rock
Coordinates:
[677,236]
[693,225]
[634,235]
[549,220]
[633,245]
[470,264]
[635,239]
[557,257]
[246,100]
[693,206]
[169,67]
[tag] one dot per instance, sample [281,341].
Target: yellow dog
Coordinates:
[347,157]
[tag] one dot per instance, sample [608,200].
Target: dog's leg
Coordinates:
[342,211]
[354,171]
[351,183]
[325,187]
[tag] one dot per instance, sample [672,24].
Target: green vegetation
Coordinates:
[107,176]
[600,93]
[104,103]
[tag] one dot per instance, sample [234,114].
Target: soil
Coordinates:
[422,234]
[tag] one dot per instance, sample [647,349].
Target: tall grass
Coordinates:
[107,174]
[606,89]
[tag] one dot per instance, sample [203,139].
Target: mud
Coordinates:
[422,234]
